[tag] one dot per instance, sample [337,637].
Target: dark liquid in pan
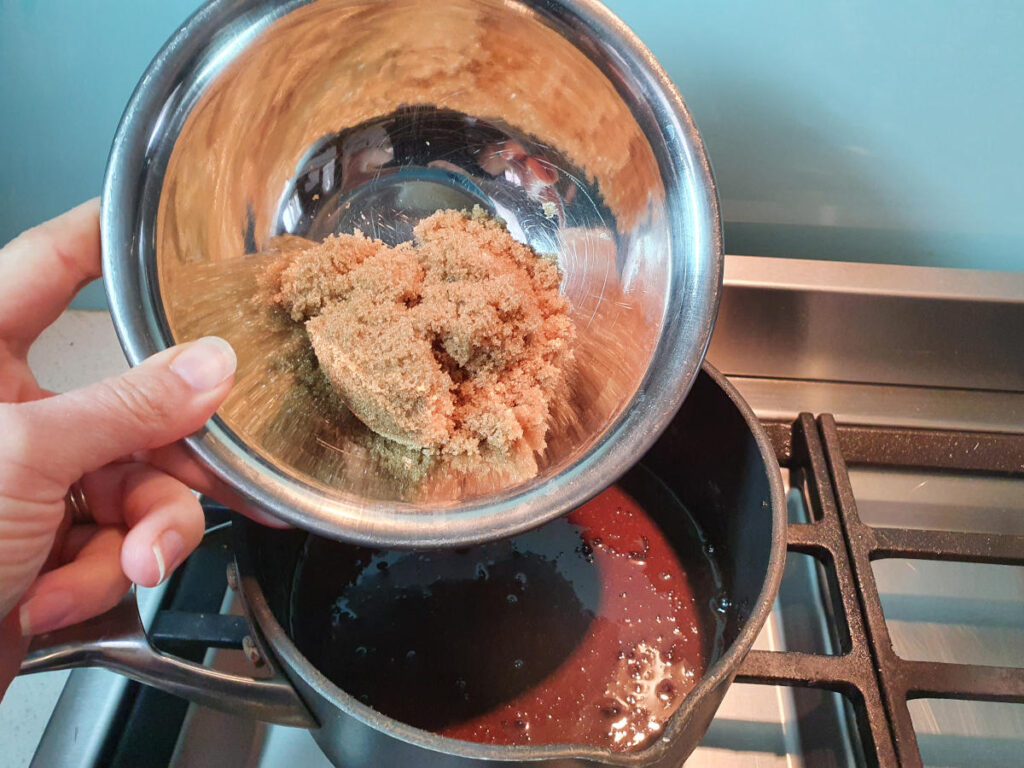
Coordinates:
[588,630]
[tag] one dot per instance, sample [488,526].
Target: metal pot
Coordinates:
[309,117]
[714,456]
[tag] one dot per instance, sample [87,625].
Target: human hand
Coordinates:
[140,521]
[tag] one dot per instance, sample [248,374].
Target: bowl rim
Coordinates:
[138,314]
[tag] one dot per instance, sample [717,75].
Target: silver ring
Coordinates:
[76,504]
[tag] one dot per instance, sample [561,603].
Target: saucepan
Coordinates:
[714,458]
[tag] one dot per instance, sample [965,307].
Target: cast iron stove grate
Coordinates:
[867,669]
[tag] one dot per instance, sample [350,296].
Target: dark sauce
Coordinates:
[588,630]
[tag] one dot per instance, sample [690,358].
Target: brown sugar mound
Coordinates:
[458,340]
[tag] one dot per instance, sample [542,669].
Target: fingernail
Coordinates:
[205,363]
[168,551]
[45,611]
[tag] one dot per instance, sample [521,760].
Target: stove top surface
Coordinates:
[898,635]
[895,640]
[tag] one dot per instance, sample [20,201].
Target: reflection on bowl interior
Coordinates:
[342,116]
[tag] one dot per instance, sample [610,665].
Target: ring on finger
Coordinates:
[77,505]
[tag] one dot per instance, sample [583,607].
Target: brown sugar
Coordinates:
[456,341]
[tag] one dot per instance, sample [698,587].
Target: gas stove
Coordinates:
[894,398]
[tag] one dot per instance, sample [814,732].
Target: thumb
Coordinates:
[165,398]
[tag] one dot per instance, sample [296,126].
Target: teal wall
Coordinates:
[67,69]
[877,130]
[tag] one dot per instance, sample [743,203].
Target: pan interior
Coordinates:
[591,628]
[708,476]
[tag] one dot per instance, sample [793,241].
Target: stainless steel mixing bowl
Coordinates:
[262,118]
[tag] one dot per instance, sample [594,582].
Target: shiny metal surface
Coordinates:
[874,344]
[880,404]
[263,118]
[117,641]
[80,721]
[871,324]
[977,616]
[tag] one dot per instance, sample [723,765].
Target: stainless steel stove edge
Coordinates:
[876,324]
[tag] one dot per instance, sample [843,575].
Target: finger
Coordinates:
[106,490]
[87,586]
[72,544]
[12,650]
[176,460]
[17,383]
[168,396]
[42,269]
[163,515]
[165,524]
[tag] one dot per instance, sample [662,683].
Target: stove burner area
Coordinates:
[866,670]
[589,630]
[832,680]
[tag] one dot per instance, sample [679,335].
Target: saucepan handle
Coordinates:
[118,641]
